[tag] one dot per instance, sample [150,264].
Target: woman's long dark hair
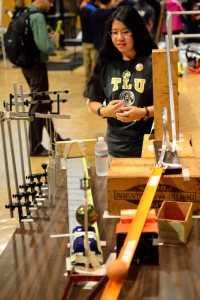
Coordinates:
[143,43]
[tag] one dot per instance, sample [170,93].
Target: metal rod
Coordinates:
[13,160]
[19,136]
[20,103]
[166,131]
[20,145]
[53,183]
[37,115]
[166,145]
[189,36]
[26,133]
[44,93]
[6,164]
[169,29]
[49,174]
[189,12]
[86,242]
[169,25]
[171,96]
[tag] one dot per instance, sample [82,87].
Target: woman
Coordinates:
[123,77]
[177,26]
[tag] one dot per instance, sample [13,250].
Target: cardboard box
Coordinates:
[174,222]
[127,215]
[147,251]
[127,179]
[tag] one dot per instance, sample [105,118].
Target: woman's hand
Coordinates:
[131,113]
[113,107]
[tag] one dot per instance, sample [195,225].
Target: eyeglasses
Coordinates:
[124,32]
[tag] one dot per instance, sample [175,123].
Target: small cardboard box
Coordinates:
[174,222]
[127,179]
[147,251]
[127,215]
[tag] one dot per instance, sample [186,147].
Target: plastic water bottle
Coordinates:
[101,157]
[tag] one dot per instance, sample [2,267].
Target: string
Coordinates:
[128,67]
[47,126]
[54,133]
[50,135]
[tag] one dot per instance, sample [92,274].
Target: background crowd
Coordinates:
[95,13]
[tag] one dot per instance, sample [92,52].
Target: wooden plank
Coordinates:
[159,34]
[161,90]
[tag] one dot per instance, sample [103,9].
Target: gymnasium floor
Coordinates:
[82,125]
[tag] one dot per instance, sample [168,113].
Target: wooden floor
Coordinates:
[82,125]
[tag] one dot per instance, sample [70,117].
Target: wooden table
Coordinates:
[32,265]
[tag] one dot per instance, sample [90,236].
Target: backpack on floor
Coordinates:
[20,47]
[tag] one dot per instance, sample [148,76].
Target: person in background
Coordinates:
[123,76]
[147,13]
[177,26]
[84,2]
[114,4]
[193,21]
[89,52]
[37,76]
[127,2]
[19,4]
[98,20]
[155,4]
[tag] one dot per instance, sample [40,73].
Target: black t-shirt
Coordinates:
[125,139]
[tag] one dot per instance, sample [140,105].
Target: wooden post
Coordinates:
[161,90]
[161,22]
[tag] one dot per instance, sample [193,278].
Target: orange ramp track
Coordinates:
[126,254]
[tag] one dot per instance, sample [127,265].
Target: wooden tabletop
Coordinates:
[33,265]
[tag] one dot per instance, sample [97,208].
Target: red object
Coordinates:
[147,252]
[127,215]
[78,277]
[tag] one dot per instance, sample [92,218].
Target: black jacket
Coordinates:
[85,13]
